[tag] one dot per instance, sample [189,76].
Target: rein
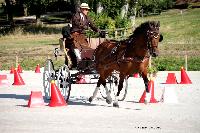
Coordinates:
[135,58]
[141,59]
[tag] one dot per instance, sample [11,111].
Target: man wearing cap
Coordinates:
[80,23]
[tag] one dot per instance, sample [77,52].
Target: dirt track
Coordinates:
[81,116]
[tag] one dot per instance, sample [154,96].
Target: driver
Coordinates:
[80,23]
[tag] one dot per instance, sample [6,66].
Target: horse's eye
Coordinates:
[155,34]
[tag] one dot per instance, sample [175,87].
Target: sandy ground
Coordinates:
[79,116]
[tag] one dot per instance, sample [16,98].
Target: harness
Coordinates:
[138,59]
[149,49]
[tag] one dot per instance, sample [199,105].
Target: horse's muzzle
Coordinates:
[154,54]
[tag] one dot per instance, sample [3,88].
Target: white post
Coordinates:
[186,62]
[16,61]
[116,34]
[132,18]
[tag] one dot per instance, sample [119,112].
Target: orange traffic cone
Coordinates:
[37,69]
[136,75]
[184,77]
[56,97]
[151,91]
[17,79]
[171,78]
[12,70]
[36,99]
[81,79]
[19,68]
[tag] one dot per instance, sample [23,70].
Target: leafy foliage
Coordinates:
[112,7]
[103,21]
[36,7]
[175,63]
[153,6]
[122,22]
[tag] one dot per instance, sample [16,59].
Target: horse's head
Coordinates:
[153,37]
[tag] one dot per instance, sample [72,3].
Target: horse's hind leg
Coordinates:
[120,86]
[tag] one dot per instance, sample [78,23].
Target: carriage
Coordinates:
[84,74]
[112,64]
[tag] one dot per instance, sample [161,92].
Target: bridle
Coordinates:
[150,48]
[150,35]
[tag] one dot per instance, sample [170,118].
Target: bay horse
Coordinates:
[127,57]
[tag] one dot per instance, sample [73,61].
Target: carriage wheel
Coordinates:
[112,84]
[48,75]
[64,81]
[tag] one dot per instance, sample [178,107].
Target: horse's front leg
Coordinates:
[108,98]
[120,86]
[146,82]
[103,82]
[96,90]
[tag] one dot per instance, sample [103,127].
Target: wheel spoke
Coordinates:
[63,80]
[48,71]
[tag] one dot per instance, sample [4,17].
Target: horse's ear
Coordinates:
[150,24]
[161,38]
[158,24]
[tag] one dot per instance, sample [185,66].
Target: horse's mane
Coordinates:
[140,29]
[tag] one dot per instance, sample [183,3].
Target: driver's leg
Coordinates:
[73,57]
[71,54]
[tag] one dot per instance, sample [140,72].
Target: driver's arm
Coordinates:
[92,26]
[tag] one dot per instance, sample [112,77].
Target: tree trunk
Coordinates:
[38,12]
[93,5]
[99,8]
[124,10]
[9,8]
[38,20]
[75,5]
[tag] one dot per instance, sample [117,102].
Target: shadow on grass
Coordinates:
[29,29]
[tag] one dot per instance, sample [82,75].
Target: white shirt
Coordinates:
[82,16]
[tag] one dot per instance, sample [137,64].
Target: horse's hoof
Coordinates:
[90,99]
[116,105]
[108,100]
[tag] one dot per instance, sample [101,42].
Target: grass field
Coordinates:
[181,31]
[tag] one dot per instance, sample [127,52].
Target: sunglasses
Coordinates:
[85,9]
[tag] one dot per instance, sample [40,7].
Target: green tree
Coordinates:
[112,7]
[154,6]
[37,7]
